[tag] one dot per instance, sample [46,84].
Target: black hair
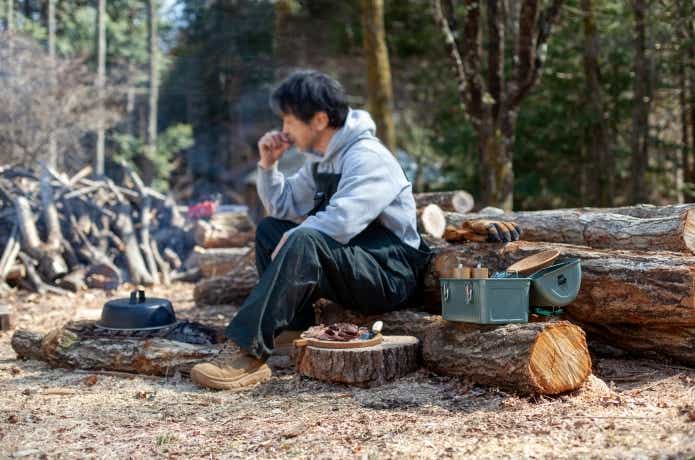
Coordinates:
[306,92]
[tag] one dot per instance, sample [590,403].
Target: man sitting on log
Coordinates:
[342,228]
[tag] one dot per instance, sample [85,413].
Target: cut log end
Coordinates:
[559,359]
[433,220]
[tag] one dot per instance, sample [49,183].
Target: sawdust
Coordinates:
[644,409]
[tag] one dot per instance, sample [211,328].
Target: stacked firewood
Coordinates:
[61,233]
[638,271]
[226,257]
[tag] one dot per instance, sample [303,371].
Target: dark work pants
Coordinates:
[374,272]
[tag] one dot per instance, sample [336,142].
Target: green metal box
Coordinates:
[557,285]
[485,301]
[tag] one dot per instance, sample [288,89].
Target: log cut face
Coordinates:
[666,231]
[82,345]
[635,287]
[395,357]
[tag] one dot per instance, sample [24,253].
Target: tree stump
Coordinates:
[395,357]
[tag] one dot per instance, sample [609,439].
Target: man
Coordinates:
[342,228]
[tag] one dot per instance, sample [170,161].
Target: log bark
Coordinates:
[632,287]
[395,357]
[674,343]
[233,229]
[454,201]
[669,229]
[232,288]
[220,261]
[84,346]
[533,358]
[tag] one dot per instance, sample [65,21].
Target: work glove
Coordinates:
[493,230]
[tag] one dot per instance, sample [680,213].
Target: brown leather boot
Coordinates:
[232,369]
[284,342]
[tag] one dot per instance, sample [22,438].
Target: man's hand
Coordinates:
[279,246]
[271,147]
[496,231]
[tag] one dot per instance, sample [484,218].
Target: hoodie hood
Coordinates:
[357,124]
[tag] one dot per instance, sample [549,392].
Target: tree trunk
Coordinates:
[84,346]
[10,16]
[101,78]
[600,157]
[640,110]
[496,167]
[379,90]
[631,287]
[682,164]
[154,87]
[534,358]
[52,146]
[673,231]
[395,357]
[490,99]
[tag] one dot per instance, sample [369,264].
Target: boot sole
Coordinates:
[261,375]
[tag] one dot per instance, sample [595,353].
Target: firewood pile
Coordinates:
[61,233]
[638,270]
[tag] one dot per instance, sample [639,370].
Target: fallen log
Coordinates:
[219,261]
[456,201]
[533,358]
[666,229]
[232,288]
[675,343]
[225,230]
[632,287]
[82,345]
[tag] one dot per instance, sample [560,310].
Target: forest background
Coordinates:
[526,104]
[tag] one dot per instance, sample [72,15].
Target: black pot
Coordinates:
[137,312]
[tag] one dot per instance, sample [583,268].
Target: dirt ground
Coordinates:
[647,409]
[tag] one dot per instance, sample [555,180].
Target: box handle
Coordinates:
[561,280]
[445,291]
[468,292]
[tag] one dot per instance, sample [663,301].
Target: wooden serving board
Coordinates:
[332,344]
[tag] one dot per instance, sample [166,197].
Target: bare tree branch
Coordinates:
[530,58]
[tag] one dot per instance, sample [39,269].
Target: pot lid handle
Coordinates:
[137,297]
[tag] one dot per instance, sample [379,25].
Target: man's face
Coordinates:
[302,135]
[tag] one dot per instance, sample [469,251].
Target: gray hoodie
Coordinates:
[372,186]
